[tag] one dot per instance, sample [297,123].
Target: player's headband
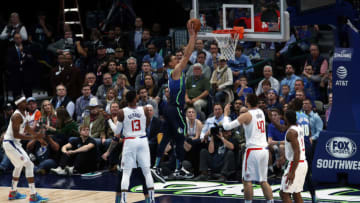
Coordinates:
[17,102]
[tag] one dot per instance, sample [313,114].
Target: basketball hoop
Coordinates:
[227,40]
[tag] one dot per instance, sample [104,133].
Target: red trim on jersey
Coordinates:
[291,164]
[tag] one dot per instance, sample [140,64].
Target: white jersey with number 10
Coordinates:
[134,124]
[255,131]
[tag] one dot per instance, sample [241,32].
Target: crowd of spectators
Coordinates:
[85,78]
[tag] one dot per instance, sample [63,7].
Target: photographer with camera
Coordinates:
[217,118]
[219,156]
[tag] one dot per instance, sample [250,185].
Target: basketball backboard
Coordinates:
[262,20]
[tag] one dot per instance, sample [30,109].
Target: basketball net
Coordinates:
[227,41]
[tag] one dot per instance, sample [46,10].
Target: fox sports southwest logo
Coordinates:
[341,72]
[341,147]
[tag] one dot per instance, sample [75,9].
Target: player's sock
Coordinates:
[152,195]
[270,201]
[14,184]
[32,188]
[123,197]
[248,201]
[117,198]
[157,162]
[178,164]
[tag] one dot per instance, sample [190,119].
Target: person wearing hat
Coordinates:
[221,81]
[17,155]
[96,122]
[33,114]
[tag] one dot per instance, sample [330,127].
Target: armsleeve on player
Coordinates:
[230,125]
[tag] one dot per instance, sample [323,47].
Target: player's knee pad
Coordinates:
[17,171]
[148,178]
[125,179]
[29,169]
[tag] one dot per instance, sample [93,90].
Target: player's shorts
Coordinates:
[15,153]
[136,153]
[298,183]
[255,164]
[175,122]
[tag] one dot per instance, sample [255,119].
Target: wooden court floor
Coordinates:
[73,196]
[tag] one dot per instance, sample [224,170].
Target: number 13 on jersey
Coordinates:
[135,125]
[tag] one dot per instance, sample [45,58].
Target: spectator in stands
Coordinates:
[221,81]
[329,107]
[219,157]
[131,71]
[65,128]
[215,55]
[316,123]
[206,71]
[300,94]
[120,59]
[82,102]
[120,39]
[68,43]
[163,101]
[156,60]
[102,90]
[240,64]
[276,140]
[289,79]
[304,36]
[20,72]
[96,122]
[199,46]
[265,86]
[144,99]
[319,63]
[243,89]
[110,98]
[153,131]
[95,41]
[121,87]
[140,78]
[300,87]
[112,68]
[146,39]
[136,35]
[90,79]
[235,110]
[45,152]
[41,32]
[285,98]
[197,90]
[13,27]
[33,114]
[79,155]
[218,117]
[311,82]
[110,39]
[61,99]
[326,81]
[150,85]
[48,116]
[272,100]
[68,75]
[178,55]
[97,65]
[268,75]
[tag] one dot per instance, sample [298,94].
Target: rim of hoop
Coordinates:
[235,30]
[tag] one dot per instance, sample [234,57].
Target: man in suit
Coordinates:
[153,130]
[19,73]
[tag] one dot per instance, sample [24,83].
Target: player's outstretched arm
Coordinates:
[187,53]
[16,122]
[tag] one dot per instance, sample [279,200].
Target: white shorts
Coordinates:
[15,153]
[298,183]
[255,164]
[136,153]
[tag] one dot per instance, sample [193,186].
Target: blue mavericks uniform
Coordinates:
[175,124]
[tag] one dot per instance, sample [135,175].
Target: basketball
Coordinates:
[197,24]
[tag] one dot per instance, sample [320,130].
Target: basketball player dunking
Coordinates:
[257,155]
[292,182]
[175,124]
[136,152]
[15,132]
